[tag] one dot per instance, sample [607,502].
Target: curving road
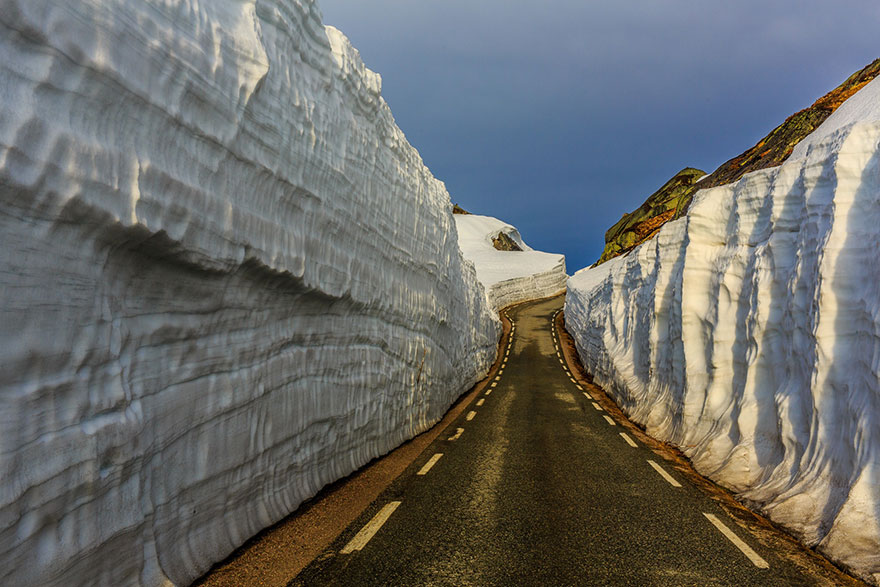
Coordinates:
[535,483]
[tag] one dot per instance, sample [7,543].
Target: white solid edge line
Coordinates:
[664,474]
[367,532]
[457,434]
[470,415]
[629,440]
[737,541]
[610,420]
[431,462]
[480,402]
[596,406]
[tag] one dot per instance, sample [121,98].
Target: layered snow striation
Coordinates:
[508,277]
[226,279]
[748,334]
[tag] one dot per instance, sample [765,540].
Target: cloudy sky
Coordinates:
[560,115]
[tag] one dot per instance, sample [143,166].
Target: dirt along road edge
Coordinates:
[766,532]
[277,554]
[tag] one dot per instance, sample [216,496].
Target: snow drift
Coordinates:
[226,280]
[748,334]
[508,276]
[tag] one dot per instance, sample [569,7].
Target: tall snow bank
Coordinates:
[508,276]
[226,279]
[748,334]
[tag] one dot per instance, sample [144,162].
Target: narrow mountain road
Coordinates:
[535,483]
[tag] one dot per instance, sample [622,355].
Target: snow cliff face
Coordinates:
[748,334]
[226,279]
[508,276]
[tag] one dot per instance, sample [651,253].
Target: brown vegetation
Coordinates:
[640,225]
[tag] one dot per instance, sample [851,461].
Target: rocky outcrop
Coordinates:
[503,242]
[771,151]
[509,269]
[747,333]
[643,223]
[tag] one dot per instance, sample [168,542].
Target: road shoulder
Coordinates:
[277,554]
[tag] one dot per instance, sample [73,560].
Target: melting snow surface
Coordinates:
[226,280]
[748,334]
[508,276]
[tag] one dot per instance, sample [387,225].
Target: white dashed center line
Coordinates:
[596,406]
[480,402]
[737,541]
[367,532]
[628,440]
[470,415]
[610,420]
[664,474]
[457,434]
[431,462]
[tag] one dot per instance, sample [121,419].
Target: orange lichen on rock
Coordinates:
[642,224]
[650,226]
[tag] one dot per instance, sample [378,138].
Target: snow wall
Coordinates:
[226,280]
[509,277]
[748,334]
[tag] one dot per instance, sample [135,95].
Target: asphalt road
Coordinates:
[536,485]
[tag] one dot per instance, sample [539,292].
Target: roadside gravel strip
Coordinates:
[747,521]
[277,554]
[535,477]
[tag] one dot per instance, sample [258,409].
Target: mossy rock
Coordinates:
[662,206]
[673,199]
[503,242]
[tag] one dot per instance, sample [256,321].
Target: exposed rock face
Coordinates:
[770,151]
[513,273]
[222,269]
[503,242]
[643,223]
[747,333]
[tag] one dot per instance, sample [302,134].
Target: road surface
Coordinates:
[535,483]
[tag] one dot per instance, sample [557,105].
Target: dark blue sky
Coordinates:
[560,115]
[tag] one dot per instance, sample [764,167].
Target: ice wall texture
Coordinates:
[748,334]
[226,279]
[508,276]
